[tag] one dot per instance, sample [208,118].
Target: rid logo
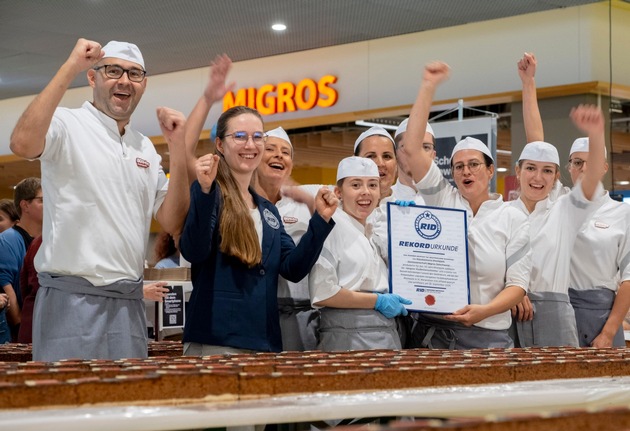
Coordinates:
[428,226]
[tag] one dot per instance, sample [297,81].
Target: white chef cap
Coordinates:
[376,130]
[279,132]
[402,128]
[356,167]
[469,143]
[539,151]
[124,51]
[580,145]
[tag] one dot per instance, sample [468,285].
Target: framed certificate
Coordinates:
[428,257]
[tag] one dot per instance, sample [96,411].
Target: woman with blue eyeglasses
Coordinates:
[236,242]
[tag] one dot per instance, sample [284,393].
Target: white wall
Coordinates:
[571,46]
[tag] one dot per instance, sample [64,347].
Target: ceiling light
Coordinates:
[622,183]
[279,27]
[501,169]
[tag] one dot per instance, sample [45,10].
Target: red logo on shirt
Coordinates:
[142,163]
[289,220]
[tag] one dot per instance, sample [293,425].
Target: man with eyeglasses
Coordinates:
[14,243]
[102,182]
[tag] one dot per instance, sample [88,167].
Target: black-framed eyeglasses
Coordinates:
[473,166]
[241,138]
[576,164]
[114,71]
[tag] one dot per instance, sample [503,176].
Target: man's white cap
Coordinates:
[539,151]
[356,167]
[280,133]
[124,51]
[469,143]
[376,130]
[402,128]
[580,145]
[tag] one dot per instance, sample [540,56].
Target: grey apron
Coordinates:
[435,333]
[553,323]
[356,329]
[592,308]
[299,324]
[105,322]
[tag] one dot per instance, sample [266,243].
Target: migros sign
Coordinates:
[285,96]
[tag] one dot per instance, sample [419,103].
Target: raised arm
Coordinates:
[590,120]
[172,213]
[214,91]
[531,114]
[29,135]
[411,156]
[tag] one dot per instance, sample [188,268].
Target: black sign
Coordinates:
[172,308]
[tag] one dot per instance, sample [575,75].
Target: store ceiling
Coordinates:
[36,36]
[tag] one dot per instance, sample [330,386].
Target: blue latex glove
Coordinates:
[391,304]
[404,203]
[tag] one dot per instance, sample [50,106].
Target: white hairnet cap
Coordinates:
[402,128]
[280,133]
[376,130]
[539,151]
[580,145]
[124,51]
[356,167]
[469,143]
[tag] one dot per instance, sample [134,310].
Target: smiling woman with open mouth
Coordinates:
[498,240]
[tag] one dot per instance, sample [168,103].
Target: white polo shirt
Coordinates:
[100,191]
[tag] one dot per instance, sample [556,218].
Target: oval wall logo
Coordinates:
[428,225]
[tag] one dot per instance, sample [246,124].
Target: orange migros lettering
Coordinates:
[288,97]
[286,91]
[325,89]
[306,94]
[266,104]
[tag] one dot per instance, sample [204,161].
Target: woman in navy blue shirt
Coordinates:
[237,245]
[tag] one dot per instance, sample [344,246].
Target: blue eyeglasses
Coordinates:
[241,138]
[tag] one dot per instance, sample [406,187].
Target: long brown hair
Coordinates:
[238,233]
